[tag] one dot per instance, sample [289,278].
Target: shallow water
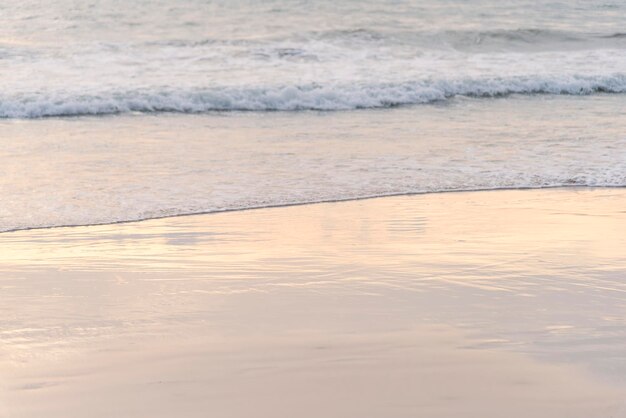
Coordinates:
[106,169]
[469,95]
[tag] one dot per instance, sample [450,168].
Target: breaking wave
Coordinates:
[299,97]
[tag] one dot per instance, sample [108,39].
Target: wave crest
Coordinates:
[292,98]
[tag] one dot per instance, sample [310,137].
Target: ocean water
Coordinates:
[113,111]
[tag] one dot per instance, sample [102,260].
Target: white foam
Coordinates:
[303,97]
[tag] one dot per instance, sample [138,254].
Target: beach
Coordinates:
[313,209]
[494,303]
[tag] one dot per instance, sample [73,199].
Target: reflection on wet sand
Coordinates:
[470,304]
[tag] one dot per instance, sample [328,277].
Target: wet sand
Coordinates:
[483,304]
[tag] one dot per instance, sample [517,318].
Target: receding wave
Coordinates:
[298,97]
[282,204]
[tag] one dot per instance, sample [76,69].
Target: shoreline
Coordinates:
[317,202]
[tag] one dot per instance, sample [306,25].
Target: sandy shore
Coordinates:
[485,304]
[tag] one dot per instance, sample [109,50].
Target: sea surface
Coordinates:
[114,111]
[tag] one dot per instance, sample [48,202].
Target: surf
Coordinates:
[312,96]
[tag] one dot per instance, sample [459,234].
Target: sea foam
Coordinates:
[323,97]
